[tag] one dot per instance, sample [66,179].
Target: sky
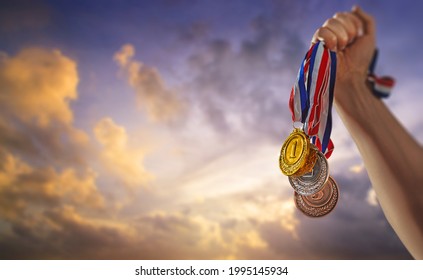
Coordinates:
[152,130]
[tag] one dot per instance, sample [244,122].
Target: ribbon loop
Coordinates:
[381,86]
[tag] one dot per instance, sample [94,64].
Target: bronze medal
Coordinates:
[321,203]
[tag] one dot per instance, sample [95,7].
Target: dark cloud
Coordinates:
[63,233]
[45,145]
[194,32]
[250,82]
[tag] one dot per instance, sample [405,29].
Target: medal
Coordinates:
[312,182]
[297,156]
[321,203]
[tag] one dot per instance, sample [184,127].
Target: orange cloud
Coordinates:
[160,102]
[24,188]
[37,86]
[122,160]
[36,120]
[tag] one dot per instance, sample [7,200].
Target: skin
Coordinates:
[393,159]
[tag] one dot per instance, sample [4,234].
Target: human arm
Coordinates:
[393,159]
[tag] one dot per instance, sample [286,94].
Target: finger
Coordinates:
[368,20]
[327,36]
[348,25]
[339,30]
[358,24]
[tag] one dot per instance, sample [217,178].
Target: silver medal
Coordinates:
[312,182]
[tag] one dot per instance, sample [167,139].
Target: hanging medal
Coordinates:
[321,203]
[304,152]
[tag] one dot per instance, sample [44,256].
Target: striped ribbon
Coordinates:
[312,96]
[381,86]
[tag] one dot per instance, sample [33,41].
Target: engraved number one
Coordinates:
[293,150]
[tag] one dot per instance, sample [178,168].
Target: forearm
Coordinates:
[394,162]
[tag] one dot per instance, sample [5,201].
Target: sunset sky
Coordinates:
[152,130]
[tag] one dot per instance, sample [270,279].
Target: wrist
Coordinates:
[355,101]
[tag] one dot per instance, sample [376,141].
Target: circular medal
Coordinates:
[320,203]
[296,156]
[312,182]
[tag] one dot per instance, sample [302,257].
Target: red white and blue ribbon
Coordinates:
[312,96]
[381,86]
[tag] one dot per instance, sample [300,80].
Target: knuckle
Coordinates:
[320,30]
[342,41]
[340,15]
[330,22]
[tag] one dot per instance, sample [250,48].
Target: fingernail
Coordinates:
[360,32]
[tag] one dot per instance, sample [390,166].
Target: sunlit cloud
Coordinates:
[159,101]
[44,187]
[37,86]
[122,160]
[36,118]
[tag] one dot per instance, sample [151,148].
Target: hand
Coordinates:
[352,36]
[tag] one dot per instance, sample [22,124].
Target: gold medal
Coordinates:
[297,156]
[320,203]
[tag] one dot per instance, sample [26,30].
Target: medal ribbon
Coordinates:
[312,96]
[381,86]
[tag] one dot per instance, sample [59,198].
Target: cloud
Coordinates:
[37,86]
[120,159]
[160,102]
[24,188]
[63,232]
[242,86]
[28,194]
[43,157]
[36,120]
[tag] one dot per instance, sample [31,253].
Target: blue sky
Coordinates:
[152,129]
